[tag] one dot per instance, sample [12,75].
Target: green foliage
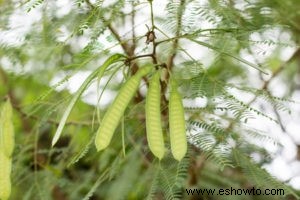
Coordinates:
[32,4]
[211,139]
[170,179]
[259,176]
[215,50]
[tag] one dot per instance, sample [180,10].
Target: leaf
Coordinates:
[83,151]
[98,72]
[227,54]
[258,175]
[101,178]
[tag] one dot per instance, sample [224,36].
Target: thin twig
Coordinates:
[51,121]
[279,119]
[133,46]
[139,56]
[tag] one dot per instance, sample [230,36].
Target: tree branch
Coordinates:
[127,48]
[170,61]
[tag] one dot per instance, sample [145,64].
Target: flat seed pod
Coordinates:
[153,117]
[116,110]
[177,123]
[7,141]
[5,170]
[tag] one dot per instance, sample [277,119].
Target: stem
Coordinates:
[152,17]
[140,56]
[152,29]
[132,27]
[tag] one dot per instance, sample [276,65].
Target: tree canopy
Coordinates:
[147,99]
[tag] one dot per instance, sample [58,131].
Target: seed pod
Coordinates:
[153,117]
[116,110]
[98,72]
[177,123]
[5,170]
[7,141]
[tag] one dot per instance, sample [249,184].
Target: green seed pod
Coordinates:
[5,170]
[177,123]
[7,141]
[116,110]
[153,117]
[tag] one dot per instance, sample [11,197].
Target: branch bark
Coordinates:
[129,49]
[170,61]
